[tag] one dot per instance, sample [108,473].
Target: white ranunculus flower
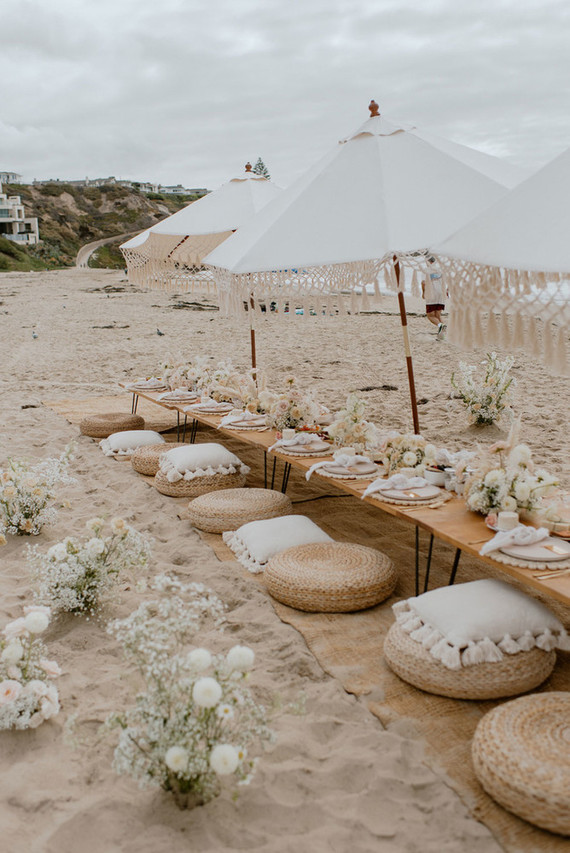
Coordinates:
[57,552]
[36,622]
[522,491]
[509,504]
[409,459]
[51,668]
[520,455]
[9,691]
[200,659]
[118,525]
[206,692]
[36,687]
[95,547]
[16,628]
[224,759]
[176,759]
[494,478]
[241,658]
[13,652]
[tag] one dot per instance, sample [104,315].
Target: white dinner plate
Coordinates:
[423,493]
[547,551]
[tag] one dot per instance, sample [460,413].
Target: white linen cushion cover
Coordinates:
[256,542]
[476,622]
[199,460]
[127,441]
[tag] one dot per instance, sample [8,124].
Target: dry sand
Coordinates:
[336,780]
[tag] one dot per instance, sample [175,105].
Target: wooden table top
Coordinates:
[451,522]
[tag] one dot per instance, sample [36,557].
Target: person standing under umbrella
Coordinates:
[434,296]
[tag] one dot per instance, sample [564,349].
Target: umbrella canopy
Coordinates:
[169,254]
[514,259]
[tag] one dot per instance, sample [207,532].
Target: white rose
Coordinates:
[240,658]
[200,659]
[13,652]
[206,692]
[522,492]
[118,525]
[57,552]
[176,759]
[36,720]
[409,459]
[51,668]
[224,759]
[49,704]
[36,622]
[509,504]
[9,691]
[95,547]
[493,478]
[36,688]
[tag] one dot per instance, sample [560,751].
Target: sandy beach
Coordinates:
[338,779]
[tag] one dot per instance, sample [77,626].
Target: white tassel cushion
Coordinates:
[124,443]
[256,542]
[479,622]
[200,460]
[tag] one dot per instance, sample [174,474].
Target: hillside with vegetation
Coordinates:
[69,217]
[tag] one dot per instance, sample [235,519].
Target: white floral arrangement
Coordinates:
[77,576]
[177,372]
[244,390]
[488,396]
[291,408]
[350,429]
[406,450]
[27,492]
[27,694]
[504,478]
[196,721]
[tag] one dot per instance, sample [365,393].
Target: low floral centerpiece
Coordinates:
[27,493]
[77,575]
[27,693]
[504,477]
[244,390]
[349,427]
[195,722]
[405,450]
[489,395]
[291,408]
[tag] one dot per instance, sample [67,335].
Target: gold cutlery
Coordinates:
[555,573]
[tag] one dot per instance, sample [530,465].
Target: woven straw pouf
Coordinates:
[104,425]
[145,459]
[218,512]
[521,755]
[198,485]
[513,675]
[330,577]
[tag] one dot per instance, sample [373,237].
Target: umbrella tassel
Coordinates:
[549,345]
[365,303]
[478,336]
[533,337]
[387,279]
[415,285]
[455,326]
[519,332]
[505,334]
[561,353]
[353,304]
[492,329]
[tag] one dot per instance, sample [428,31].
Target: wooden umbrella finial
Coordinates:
[374,108]
[248,167]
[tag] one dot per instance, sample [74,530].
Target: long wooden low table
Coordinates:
[452,522]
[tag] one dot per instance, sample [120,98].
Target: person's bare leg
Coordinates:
[433,317]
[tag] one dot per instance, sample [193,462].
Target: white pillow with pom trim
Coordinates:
[200,460]
[476,622]
[126,442]
[256,542]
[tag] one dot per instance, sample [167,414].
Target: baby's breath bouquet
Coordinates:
[196,720]
[244,390]
[406,451]
[27,695]
[27,492]
[504,477]
[291,408]
[78,575]
[487,396]
[350,429]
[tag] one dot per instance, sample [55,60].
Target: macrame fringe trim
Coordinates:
[173,475]
[242,553]
[479,651]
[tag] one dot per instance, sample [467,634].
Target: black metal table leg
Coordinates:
[417,560]
[455,566]
[273,471]
[428,564]
[134,403]
[285,480]
[177,425]
[193,431]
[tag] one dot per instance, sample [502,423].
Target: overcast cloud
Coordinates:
[188,90]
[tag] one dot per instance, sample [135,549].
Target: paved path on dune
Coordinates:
[85,252]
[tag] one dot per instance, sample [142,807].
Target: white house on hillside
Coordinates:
[10,178]
[14,224]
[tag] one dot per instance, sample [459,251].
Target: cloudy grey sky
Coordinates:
[188,90]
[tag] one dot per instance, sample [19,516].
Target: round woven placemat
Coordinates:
[145,460]
[508,677]
[416,504]
[324,473]
[225,510]
[521,756]
[330,577]
[197,486]
[104,425]
[291,452]
[547,565]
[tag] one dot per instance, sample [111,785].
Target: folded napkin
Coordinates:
[342,459]
[520,535]
[397,481]
[211,405]
[178,393]
[301,438]
[237,416]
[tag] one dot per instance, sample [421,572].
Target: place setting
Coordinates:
[530,548]
[301,444]
[346,464]
[208,406]
[178,397]
[150,383]
[244,421]
[405,491]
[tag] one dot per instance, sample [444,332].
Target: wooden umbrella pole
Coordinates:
[407,350]
[252,337]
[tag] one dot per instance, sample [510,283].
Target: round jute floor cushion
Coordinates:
[521,755]
[104,425]
[330,577]
[199,485]
[513,675]
[145,459]
[228,509]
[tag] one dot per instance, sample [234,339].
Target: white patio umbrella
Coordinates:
[386,192]
[514,259]
[169,255]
